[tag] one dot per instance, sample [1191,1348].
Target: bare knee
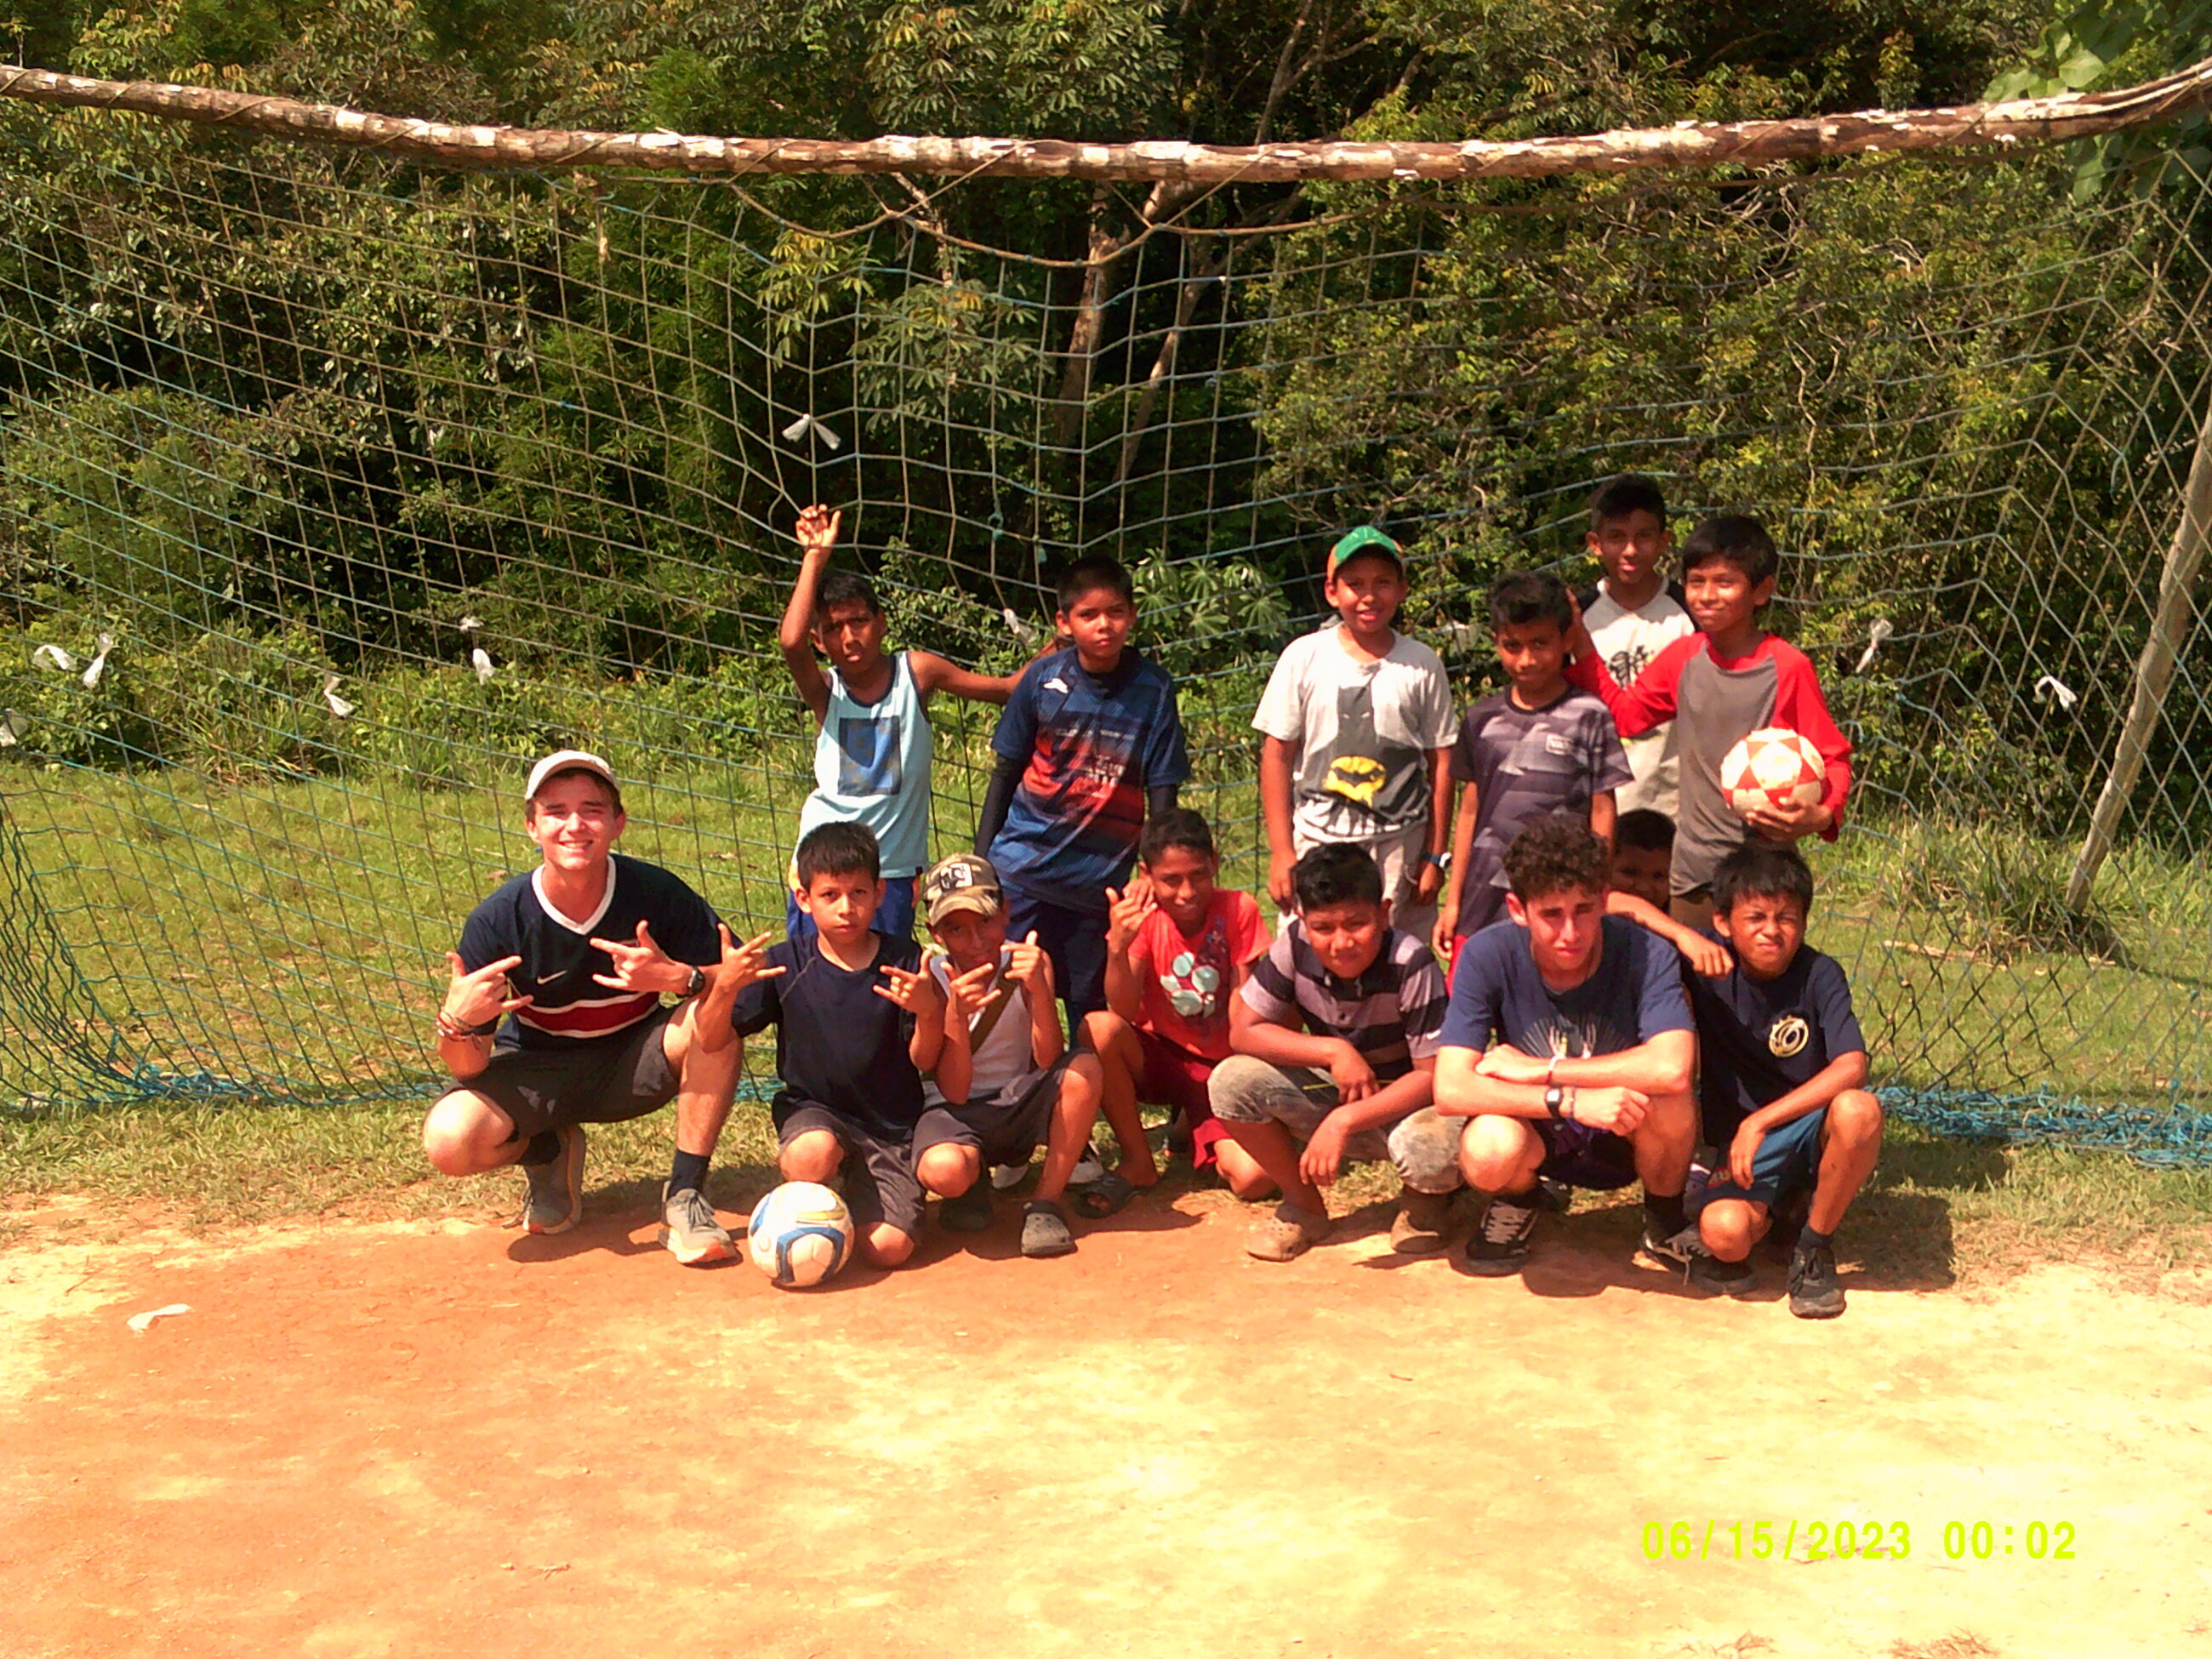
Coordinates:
[1497,1154]
[813,1155]
[465,1135]
[885,1246]
[949,1169]
[1855,1118]
[1730,1227]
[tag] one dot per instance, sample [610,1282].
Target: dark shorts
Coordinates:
[605,1079]
[894,916]
[1074,940]
[1788,1158]
[1004,1131]
[877,1170]
[1582,1155]
[1175,1077]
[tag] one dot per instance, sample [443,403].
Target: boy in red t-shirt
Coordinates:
[1177,948]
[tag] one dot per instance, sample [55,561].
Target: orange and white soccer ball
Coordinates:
[1772,767]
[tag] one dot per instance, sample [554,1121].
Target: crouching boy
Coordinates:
[1783,1082]
[1004,1081]
[856,1022]
[1335,1037]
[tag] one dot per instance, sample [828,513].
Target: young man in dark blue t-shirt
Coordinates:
[1568,1046]
[1090,742]
[553,1017]
[1783,1082]
[856,1022]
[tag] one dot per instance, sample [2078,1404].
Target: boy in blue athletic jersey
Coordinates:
[1089,743]
[553,1018]
[1783,1082]
[871,747]
[856,1022]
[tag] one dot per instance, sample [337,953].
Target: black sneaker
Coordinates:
[1556,1196]
[969,1212]
[1680,1249]
[1500,1244]
[1715,1277]
[1813,1292]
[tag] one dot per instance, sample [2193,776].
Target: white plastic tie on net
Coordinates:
[53,657]
[470,624]
[806,423]
[339,706]
[11,728]
[1020,629]
[2051,686]
[1877,636]
[480,659]
[98,664]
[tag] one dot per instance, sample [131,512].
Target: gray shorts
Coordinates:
[877,1170]
[1422,1147]
[605,1079]
[1004,1129]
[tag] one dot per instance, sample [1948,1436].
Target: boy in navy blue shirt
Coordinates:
[1783,1088]
[1091,741]
[856,1022]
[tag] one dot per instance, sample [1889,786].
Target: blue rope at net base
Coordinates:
[2175,1138]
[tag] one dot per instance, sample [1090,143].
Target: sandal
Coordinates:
[969,1212]
[1097,1200]
[1045,1230]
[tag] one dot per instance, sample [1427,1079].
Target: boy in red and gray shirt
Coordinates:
[1718,686]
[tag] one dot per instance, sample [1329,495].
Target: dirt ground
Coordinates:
[446,1439]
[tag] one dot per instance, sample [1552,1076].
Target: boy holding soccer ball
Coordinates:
[1719,685]
[1781,1083]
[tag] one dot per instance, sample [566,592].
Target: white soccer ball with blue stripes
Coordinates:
[799,1234]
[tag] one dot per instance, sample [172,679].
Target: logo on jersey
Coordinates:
[1356,778]
[1788,1036]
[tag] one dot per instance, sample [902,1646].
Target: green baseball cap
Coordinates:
[1366,542]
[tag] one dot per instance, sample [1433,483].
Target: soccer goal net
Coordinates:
[335,486]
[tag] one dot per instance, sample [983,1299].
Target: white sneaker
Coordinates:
[1087,1170]
[1005,1177]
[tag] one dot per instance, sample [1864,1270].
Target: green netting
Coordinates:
[383,480]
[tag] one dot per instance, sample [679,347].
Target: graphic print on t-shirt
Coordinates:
[1359,767]
[868,757]
[1560,1038]
[1193,978]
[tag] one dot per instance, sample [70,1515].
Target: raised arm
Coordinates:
[817,534]
[1125,988]
[1648,703]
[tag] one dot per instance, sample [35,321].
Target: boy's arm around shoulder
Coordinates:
[1708,957]
[934,673]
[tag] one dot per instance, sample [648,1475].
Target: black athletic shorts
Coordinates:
[1004,1130]
[602,1080]
[880,1184]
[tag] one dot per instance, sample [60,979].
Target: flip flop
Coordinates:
[1097,1200]
[1045,1230]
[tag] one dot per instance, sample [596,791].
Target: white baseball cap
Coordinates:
[566,760]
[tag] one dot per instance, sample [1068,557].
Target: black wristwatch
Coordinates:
[698,983]
[1555,1101]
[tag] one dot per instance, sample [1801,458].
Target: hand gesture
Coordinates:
[817,532]
[1028,967]
[965,995]
[1743,1151]
[479,997]
[639,965]
[1126,912]
[1278,882]
[1355,1077]
[1507,1064]
[1579,643]
[742,965]
[1708,958]
[1622,1111]
[915,992]
[1787,823]
[1322,1160]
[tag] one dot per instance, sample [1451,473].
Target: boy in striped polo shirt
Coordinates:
[1335,1038]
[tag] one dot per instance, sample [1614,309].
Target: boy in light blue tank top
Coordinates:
[872,751]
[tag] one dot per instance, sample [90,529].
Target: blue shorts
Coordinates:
[1074,940]
[894,916]
[1583,1155]
[1788,1158]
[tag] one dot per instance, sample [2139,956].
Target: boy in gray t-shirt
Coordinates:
[1536,748]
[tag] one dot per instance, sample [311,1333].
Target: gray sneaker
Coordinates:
[554,1200]
[1288,1234]
[690,1231]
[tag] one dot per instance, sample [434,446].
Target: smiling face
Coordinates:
[1183,884]
[1564,928]
[970,939]
[1632,548]
[1534,656]
[1765,930]
[844,905]
[1366,592]
[1098,624]
[1722,601]
[574,822]
[851,634]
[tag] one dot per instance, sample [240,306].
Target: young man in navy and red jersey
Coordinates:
[1090,742]
[553,1018]
[1718,686]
